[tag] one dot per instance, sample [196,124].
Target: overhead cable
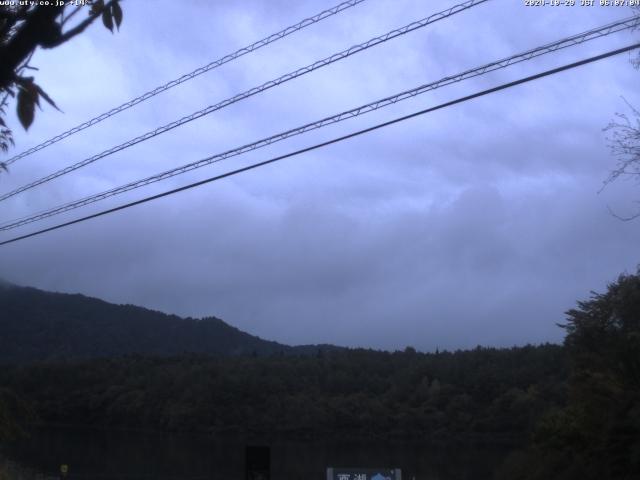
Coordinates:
[329,142]
[188,76]
[354,112]
[253,91]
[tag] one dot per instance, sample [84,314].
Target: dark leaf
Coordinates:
[96,7]
[24,81]
[44,95]
[27,85]
[117,13]
[26,108]
[4,167]
[107,19]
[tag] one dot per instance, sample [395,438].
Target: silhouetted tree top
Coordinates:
[603,335]
[596,436]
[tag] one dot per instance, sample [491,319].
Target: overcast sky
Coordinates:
[477,224]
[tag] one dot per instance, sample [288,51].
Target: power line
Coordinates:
[504,86]
[253,91]
[378,104]
[198,71]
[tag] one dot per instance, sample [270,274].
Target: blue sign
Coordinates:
[363,474]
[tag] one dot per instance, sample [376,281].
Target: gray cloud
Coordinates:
[479,224]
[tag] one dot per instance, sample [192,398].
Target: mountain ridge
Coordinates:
[38,325]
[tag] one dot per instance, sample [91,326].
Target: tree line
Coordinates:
[352,393]
[573,410]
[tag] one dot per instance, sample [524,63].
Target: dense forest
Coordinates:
[573,410]
[597,434]
[350,393]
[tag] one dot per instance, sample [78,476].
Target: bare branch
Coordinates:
[624,219]
[70,16]
[624,143]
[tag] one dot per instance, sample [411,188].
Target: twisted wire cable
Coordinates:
[342,138]
[628,23]
[253,91]
[184,78]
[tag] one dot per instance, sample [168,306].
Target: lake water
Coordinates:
[104,455]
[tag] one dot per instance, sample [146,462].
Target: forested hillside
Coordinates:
[41,326]
[498,393]
[574,408]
